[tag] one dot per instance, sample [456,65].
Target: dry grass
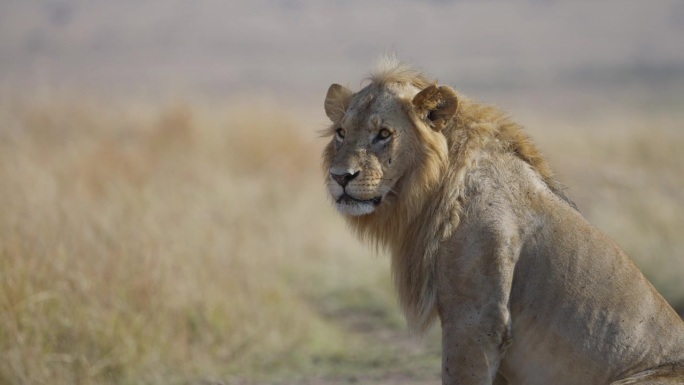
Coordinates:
[171,244]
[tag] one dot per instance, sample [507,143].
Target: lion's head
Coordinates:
[384,138]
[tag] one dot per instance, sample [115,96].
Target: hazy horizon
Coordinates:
[542,50]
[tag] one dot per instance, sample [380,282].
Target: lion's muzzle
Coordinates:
[352,192]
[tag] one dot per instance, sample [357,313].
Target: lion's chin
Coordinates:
[347,205]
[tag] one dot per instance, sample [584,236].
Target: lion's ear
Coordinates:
[437,104]
[337,101]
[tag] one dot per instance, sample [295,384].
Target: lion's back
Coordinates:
[578,297]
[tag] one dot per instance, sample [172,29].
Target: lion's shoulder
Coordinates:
[477,125]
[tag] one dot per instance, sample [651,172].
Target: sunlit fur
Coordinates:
[482,235]
[426,208]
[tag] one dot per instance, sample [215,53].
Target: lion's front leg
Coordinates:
[474,286]
[472,348]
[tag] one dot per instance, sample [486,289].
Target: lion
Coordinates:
[484,238]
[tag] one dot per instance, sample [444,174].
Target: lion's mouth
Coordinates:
[345,198]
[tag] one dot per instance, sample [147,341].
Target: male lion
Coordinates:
[482,236]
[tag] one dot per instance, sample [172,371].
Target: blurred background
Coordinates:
[162,212]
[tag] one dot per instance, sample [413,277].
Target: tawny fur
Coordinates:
[417,224]
[483,236]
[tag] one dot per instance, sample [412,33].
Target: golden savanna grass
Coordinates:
[170,244]
[190,242]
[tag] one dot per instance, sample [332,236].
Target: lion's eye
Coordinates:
[384,134]
[340,133]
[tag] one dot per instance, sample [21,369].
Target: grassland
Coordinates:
[187,243]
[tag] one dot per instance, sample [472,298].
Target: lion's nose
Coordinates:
[343,179]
